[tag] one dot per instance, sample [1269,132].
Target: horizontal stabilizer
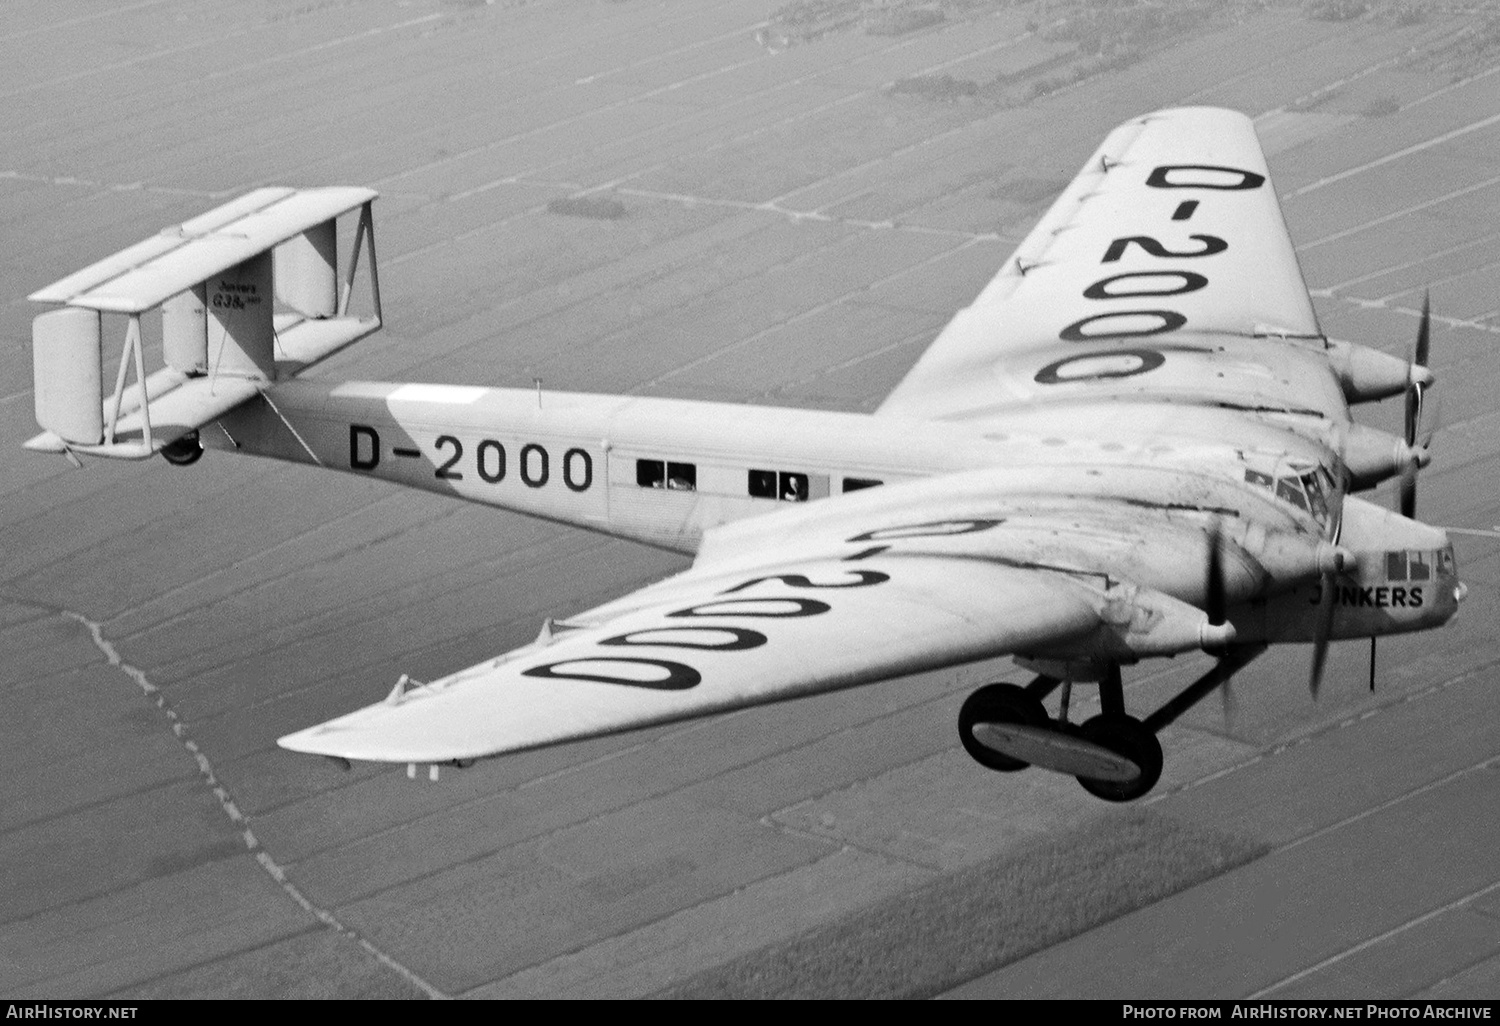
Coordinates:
[149,273]
[302,341]
[184,407]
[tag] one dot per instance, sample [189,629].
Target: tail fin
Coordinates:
[219,279]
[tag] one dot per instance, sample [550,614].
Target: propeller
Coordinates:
[1416,390]
[1327,604]
[1418,379]
[1326,607]
[1216,605]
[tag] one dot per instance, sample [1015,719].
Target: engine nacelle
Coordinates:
[1372,456]
[1367,374]
[1140,622]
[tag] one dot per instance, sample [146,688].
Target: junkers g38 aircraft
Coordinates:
[1135,443]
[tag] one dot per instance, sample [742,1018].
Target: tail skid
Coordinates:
[218,279]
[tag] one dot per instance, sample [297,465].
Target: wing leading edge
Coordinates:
[719,643]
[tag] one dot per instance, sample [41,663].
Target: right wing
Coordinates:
[709,641]
[1164,273]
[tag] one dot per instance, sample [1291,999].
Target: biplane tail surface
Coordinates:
[250,293]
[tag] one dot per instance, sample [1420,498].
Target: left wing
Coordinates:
[708,641]
[1163,272]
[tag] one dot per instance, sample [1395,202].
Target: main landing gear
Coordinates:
[1114,756]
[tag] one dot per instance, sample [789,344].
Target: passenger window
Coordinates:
[854,484]
[1417,563]
[1286,488]
[1395,566]
[1445,560]
[682,477]
[763,484]
[786,486]
[650,473]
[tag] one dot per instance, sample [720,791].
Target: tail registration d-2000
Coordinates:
[1136,442]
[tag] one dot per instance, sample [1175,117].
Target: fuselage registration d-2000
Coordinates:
[1136,442]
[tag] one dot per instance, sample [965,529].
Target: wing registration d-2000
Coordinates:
[1136,442]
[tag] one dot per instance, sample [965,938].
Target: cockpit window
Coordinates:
[1310,490]
[1290,489]
[1315,497]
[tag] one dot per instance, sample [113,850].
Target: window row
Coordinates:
[782,485]
[1410,566]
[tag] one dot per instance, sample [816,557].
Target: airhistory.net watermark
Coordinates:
[69,1010]
[1308,1010]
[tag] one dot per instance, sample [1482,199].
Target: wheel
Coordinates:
[998,703]
[183,451]
[1127,736]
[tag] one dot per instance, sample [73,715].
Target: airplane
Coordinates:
[1135,443]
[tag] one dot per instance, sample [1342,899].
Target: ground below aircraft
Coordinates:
[1135,443]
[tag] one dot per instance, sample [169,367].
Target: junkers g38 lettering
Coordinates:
[1136,442]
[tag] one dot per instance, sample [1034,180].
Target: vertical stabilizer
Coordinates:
[184,331]
[66,347]
[240,310]
[307,271]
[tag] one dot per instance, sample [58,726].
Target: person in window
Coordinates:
[792,488]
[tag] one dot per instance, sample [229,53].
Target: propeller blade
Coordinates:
[1320,640]
[1412,420]
[1433,421]
[1424,330]
[1413,410]
[1217,604]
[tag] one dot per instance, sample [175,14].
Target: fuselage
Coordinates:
[1132,491]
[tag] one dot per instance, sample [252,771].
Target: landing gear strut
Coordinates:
[1114,756]
[1137,766]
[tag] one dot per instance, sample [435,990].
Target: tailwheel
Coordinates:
[999,704]
[184,451]
[1131,739]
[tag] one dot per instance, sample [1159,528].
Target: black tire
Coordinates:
[1127,736]
[998,703]
[184,451]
